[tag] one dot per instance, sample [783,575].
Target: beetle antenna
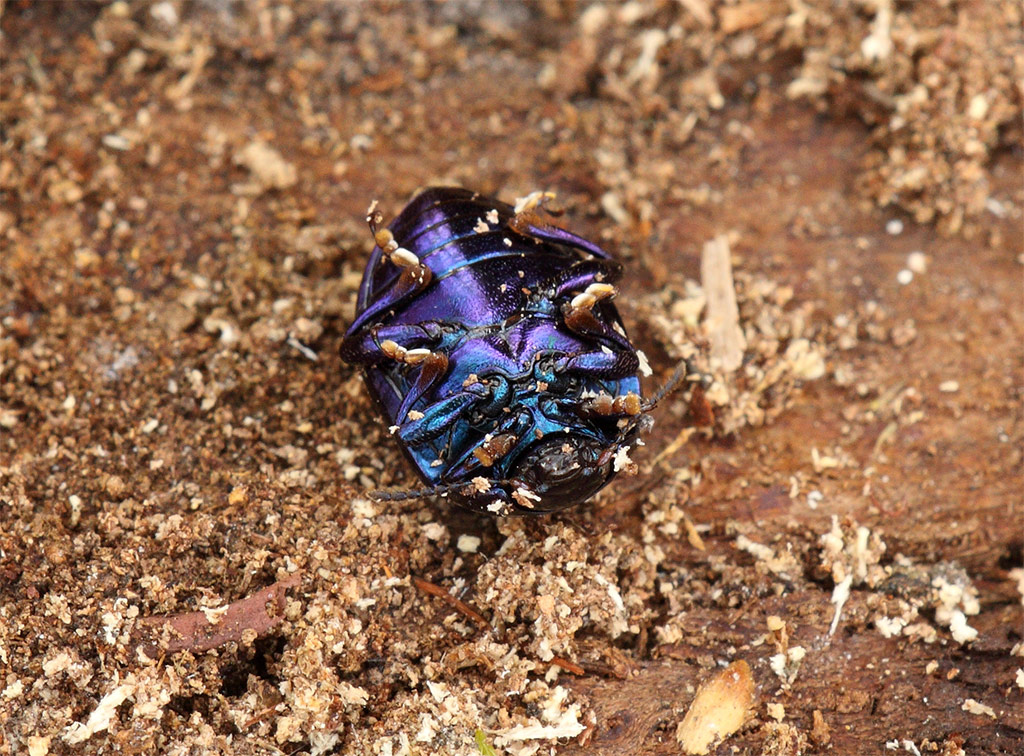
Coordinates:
[397,494]
[685,371]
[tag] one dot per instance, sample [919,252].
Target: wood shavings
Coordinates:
[820,733]
[175,433]
[100,717]
[786,665]
[782,563]
[269,169]
[976,707]
[559,721]
[852,552]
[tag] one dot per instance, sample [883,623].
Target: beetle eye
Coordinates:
[563,470]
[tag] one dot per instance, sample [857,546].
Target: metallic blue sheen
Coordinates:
[495,307]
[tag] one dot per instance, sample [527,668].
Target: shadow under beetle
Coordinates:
[489,340]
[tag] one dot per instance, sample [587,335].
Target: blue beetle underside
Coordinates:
[489,339]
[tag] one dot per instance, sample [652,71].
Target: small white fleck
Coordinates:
[814,498]
[960,630]
[645,366]
[621,459]
[165,13]
[905,276]
[909,747]
[894,227]
[415,415]
[995,207]
[525,497]
[972,706]
[360,142]
[468,543]
[949,387]
[840,595]
[116,142]
[531,200]
[890,627]
[393,429]
[507,242]
[363,508]
[434,531]
[917,261]
[481,227]
[492,216]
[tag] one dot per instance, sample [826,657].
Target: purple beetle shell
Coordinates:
[492,347]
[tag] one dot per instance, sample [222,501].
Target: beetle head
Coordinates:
[562,470]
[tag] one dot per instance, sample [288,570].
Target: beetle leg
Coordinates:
[413,279]
[686,372]
[435,420]
[618,359]
[579,275]
[502,440]
[610,365]
[579,316]
[495,499]
[578,313]
[414,276]
[528,222]
[364,347]
[485,494]
[434,366]
[605,405]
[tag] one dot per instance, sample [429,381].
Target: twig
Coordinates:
[441,593]
[201,631]
[568,666]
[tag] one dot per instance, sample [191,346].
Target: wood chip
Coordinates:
[718,710]
[723,315]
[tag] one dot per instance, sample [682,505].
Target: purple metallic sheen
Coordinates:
[494,307]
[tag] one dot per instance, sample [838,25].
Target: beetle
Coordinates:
[489,339]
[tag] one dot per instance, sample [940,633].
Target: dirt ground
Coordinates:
[189,559]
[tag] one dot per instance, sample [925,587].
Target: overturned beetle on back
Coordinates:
[490,342]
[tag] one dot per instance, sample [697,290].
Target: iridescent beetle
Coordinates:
[489,340]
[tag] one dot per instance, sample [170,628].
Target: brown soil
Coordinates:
[189,561]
